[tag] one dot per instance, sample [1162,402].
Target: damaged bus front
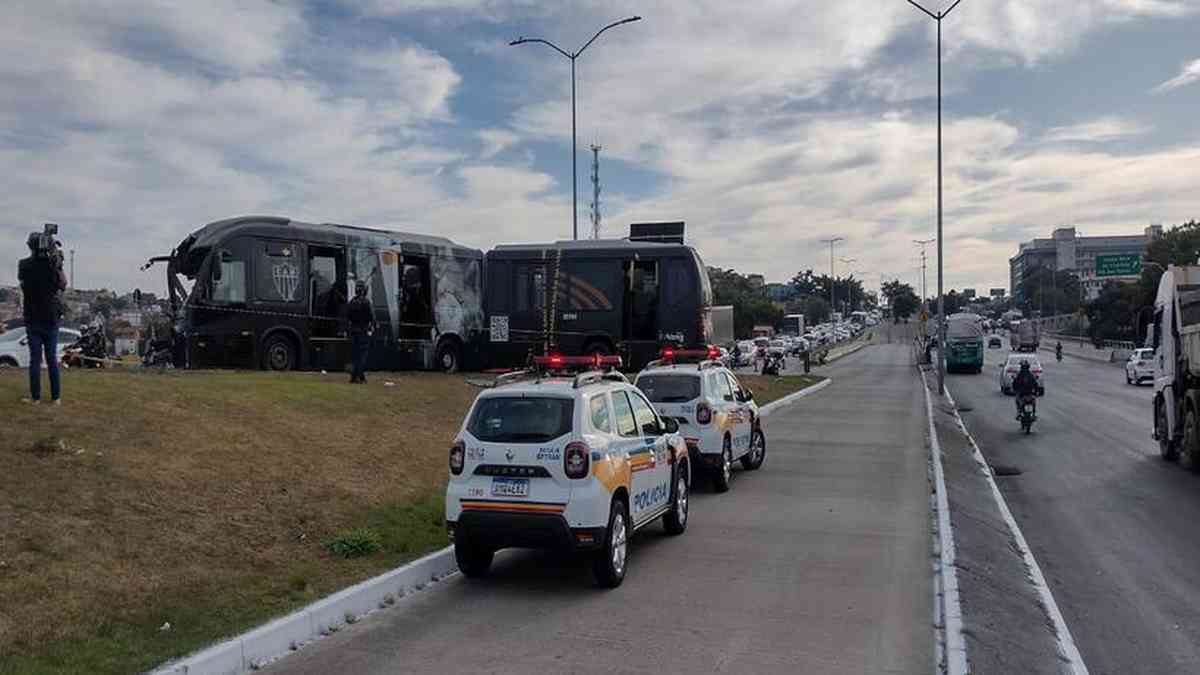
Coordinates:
[272,293]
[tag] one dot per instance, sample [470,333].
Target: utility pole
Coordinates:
[595,191]
[956,648]
[849,289]
[922,243]
[573,56]
[831,241]
[72,268]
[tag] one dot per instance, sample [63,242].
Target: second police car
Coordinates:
[717,416]
[552,460]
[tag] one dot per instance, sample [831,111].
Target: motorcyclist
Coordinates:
[1058,350]
[1024,385]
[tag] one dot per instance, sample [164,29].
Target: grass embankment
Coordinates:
[204,500]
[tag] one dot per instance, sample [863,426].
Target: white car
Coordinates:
[578,462]
[1012,366]
[1140,366]
[717,416]
[14,346]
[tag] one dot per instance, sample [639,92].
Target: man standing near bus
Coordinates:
[362,325]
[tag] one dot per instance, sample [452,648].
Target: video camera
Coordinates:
[47,245]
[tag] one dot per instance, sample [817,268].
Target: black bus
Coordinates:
[597,296]
[272,293]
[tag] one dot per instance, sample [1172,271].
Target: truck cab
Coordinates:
[1176,343]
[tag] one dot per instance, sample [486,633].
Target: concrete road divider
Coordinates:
[277,638]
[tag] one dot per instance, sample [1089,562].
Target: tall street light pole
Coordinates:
[831,241]
[849,289]
[922,243]
[572,56]
[941,298]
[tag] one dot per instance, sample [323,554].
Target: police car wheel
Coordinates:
[724,472]
[608,565]
[752,460]
[675,520]
[472,560]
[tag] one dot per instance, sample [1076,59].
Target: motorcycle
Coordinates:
[775,362]
[1058,353]
[1028,412]
[89,351]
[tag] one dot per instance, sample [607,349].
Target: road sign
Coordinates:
[1118,265]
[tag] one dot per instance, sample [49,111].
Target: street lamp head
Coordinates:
[516,42]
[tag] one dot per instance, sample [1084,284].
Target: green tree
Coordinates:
[750,307]
[900,296]
[1111,314]
[1180,245]
[5,295]
[1050,292]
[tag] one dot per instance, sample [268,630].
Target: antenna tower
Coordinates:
[595,191]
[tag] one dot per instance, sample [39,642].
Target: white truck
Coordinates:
[1176,342]
[1025,336]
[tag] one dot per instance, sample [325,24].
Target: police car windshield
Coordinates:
[670,388]
[512,419]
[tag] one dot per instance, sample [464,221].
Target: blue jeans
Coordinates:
[43,339]
[360,345]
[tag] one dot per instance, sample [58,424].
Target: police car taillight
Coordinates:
[703,413]
[458,453]
[575,459]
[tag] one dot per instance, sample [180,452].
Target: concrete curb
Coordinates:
[768,409]
[1068,651]
[846,353]
[955,650]
[259,646]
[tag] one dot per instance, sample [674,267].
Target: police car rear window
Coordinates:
[670,388]
[511,419]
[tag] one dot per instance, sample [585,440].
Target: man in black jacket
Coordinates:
[1024,385]
[42,283]
[362,325]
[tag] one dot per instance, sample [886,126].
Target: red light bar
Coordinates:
[671,354]
[558,361]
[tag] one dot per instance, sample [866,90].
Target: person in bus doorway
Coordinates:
[361,317]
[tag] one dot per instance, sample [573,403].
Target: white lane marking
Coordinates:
[768,409]
[956,645]
[1066,644]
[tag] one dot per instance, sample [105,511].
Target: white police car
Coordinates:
[547,460]
[717,416]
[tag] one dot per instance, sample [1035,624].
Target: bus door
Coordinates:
[328,343]
[642,300]
[527,323]
[416,309]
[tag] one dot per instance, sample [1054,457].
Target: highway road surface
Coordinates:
[1115,529]
[818,563]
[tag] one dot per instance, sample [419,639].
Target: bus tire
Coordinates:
[449,356]
[280,353]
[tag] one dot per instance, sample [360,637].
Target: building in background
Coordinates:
[1096,260]
[968,293]
[997,292]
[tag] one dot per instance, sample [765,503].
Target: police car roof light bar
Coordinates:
[593,362]
[672,354]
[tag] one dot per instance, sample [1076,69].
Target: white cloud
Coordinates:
[1189,75]
[1096,131]
[496,141]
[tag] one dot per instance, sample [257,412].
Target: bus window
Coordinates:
[278,272]
[530,288]
[228,279]
[587,286]
[642,294]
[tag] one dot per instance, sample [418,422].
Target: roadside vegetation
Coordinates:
[154,513]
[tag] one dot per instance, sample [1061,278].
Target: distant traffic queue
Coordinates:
[269,292]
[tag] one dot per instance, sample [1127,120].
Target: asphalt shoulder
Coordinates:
[1006,628]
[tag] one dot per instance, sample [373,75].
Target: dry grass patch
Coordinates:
[203,499]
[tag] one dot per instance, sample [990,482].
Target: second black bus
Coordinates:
[596,296]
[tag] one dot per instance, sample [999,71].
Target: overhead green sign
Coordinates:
[1118,265]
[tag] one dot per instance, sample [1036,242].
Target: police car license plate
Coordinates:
[510,487]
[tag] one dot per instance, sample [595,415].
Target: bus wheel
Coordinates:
[279,353]
[448,358]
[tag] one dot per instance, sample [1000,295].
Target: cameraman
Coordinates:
[42,283]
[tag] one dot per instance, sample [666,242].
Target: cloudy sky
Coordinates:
[767,126]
